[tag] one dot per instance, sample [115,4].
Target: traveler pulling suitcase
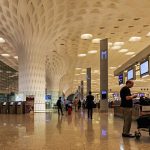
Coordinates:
[143,122]
[69,109]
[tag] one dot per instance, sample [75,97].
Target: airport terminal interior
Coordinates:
[51,49]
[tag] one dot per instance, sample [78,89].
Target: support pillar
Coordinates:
[104,75]
[82,88]
[32,76]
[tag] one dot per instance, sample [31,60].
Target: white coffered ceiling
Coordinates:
[58,24]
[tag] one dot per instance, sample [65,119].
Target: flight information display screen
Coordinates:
[144,68]
[120,79]
[130,75]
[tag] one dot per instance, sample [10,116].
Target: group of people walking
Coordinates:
[77,105]
[126,104]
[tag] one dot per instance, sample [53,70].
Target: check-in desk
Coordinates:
[119,113]
[12,108]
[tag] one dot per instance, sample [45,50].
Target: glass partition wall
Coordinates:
[8,82]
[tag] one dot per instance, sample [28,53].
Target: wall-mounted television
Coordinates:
[120,79]
[130,74]
[144,68]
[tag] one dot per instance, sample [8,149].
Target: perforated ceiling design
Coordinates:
[56,25]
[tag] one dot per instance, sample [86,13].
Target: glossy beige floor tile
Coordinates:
[47,131]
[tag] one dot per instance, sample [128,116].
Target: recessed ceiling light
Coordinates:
[135,39]
[77,74]
[2,40]
[137,18]
[123,50]
[118,43]
[102,27]
[130,53]
[148,34]
[16,57]
[83,73]
[5,55]
[95,71]
[92,51]
[146,25]
[81,55]
[115,47]
[78,68]
[130,26]
[96,41]
[113,67]
[86,36]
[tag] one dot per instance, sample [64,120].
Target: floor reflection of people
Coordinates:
[90,132]
[59,123]
[126,144]
[69,119]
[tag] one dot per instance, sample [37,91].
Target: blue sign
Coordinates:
[48,97]
[104,54]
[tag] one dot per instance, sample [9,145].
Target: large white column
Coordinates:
[32,76]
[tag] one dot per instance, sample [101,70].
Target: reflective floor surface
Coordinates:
[47,131]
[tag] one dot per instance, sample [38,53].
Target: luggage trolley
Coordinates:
[143,122]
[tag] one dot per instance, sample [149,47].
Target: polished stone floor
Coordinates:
[47,131]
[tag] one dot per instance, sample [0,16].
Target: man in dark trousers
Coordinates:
[126,104]
[59,106]
[89,104]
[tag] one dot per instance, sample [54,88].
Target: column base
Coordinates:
[39,107]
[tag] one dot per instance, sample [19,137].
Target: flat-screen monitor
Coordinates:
[120,79]
[130,74]
[141,94]
[144,68]
[104,94]
[48,97]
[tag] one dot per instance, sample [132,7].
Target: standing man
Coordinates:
[127,103]
[89,104]
[59,105]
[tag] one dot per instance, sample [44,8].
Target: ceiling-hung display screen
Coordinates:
[144,68]
[120,79]
[130,74]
